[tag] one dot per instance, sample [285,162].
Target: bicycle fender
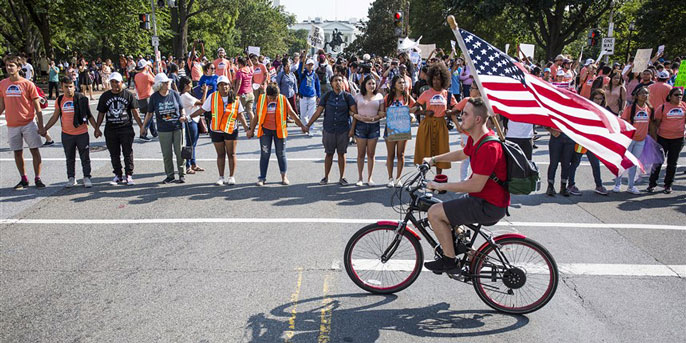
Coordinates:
[395,224]
[496,239]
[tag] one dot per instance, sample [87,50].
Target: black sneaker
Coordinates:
[39,183]
[551,190]
[668,190]
[21,185]
[181,180]
[145,138]
[650,189]
[49,143]
[444,265]
[168,180]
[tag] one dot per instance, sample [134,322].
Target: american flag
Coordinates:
[522,97]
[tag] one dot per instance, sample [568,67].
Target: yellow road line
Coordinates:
[326,313]
[294,311]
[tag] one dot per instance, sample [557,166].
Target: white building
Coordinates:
[347,28]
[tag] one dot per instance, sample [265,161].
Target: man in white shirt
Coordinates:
[28,68]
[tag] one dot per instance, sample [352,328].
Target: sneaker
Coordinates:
[634,190]
[116,181]
[574,191]
[39,183]
[391,183]
[550,191]
[617,189]
[371,183]
[231,181]
[182,179]
[445,264]
[260,182]
[21,185]
[129,180]
[168,179]
[323,181]
[49,143]
[650,189]
[601,190]
[668,189]
[87,182]
[359,183]
[398,183]
[564,191]
[220,182]
[145,138]
[71,182]
[343,182]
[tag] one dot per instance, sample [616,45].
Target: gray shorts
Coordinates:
[16,136]
[335,142]
[472,210]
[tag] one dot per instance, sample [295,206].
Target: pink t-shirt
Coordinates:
[144,81]
[368,108]
[436,101]
[641,121]
[260,74]
[221,67]
[673,119]
[658,93]
[18,97]
[244,76]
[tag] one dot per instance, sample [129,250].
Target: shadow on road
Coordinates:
[362,318]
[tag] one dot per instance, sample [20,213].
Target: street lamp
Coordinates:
[632,27]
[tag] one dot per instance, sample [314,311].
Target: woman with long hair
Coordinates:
[670,118]
[190,105]
[397,96]
[615,96]
[366,127]
[638,114]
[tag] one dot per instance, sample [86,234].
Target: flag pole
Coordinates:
[470,63]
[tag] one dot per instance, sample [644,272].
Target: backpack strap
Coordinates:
[492,176]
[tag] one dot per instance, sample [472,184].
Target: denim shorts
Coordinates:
[367,131]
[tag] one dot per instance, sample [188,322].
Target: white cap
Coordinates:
[366,57]
[309,61]
[663,75]
[161,78]
[116,77]
[142,63]
[221,50]
[589,61]
[223,79]
[560,73]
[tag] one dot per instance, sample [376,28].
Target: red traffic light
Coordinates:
[398,16]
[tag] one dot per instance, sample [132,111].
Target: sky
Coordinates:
[327,9]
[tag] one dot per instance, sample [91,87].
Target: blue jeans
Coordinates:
[595,166]
[192,136]
[636,148]
[560,150]
[266,152]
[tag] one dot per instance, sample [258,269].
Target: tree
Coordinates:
[661,22]
[377,32]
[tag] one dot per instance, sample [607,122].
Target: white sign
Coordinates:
[452,44]
[527,50]
[426,49]
[507,47]
[316,37]
[254,50]
[660,49]
[415,57]
[609,46]
[641,60]
[155,41]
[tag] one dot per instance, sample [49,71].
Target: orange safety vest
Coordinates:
[220,120]
[281,131]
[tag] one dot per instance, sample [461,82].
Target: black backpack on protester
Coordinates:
[321,74]
[522,174]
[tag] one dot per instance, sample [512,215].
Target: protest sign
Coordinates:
[415,57]
[507,47]
[660,49]
[527,50]
[452,44]
[426,49]
[398,123]
[681,77]
[254,50]
[641,60]
[316,37]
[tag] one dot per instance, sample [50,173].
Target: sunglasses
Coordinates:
[677,94]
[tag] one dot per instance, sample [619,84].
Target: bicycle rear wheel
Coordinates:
[525,287]
[363,253]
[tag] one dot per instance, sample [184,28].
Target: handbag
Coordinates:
[186,151]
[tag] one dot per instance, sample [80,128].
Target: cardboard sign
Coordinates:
[415,57]
[660,49]
[426,49]
[527,50]
[316,37]
[254,50]
[641,60]
[398,123]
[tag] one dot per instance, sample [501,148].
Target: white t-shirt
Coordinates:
[207,106]
[188,102]
[29,70]
[519,130]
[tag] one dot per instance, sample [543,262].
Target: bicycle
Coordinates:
[510,273]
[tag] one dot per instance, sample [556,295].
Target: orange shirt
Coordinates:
[641,121]
[658,93]
[67,110]
[260,73]
[144,81]
[270,118]
[18,97]
[673,119]
[436,101]
[586,87]
[196,69]
[221,67]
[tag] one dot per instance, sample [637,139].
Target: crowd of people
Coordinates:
[180,99]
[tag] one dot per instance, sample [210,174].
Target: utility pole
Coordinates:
[155,38]
[610,29]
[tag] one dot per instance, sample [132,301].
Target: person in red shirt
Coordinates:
[670,119]
[486,201]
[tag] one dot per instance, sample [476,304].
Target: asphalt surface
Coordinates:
[191,262]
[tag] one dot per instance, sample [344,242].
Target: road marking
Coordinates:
[595,269]
[322,221]
[326,313]
[294,311]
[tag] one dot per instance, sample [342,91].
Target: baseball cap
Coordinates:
[589,61]
[161,78]
[221,50]
[223,79]
[116,77]
[366,57]
[560,73]
[141,64]
[663,75]
[559,57]
[309,61]
[546,70]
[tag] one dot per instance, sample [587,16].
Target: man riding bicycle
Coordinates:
[486,201]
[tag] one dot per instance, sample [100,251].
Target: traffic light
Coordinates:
[144,21]
[398,23]
[593,37]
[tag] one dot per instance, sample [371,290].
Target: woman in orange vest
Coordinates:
[272,113]
[226,112]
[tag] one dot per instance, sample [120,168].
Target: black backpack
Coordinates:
[321,74]
[522,174]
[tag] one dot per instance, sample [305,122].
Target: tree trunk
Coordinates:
[179,25]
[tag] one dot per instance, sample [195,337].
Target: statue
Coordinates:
[336,40]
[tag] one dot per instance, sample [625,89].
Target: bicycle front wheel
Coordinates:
[524,286]
[363,263]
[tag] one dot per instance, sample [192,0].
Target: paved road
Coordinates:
[201,263]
